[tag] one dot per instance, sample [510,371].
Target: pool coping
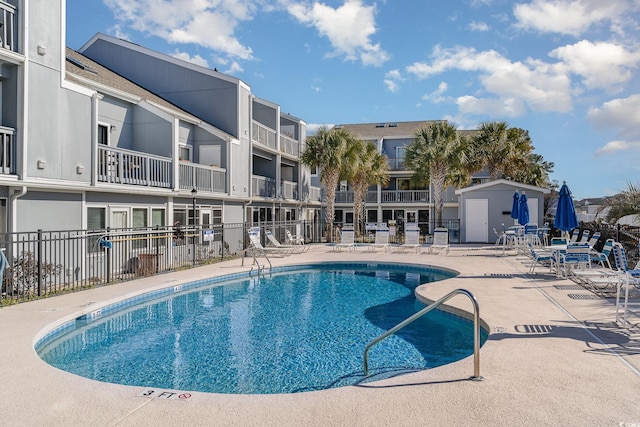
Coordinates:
[549,378]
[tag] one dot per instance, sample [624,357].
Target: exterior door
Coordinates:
[476,221]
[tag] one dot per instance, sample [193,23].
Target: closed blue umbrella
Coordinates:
[514,206]
[566,219]
[523,210]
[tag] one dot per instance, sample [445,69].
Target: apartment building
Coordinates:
[117,135]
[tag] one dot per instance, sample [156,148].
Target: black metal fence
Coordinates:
[44,263]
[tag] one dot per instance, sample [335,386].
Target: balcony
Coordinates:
[263,135]
[202,177]
[263,186]
[120,166]
[315,194]
[289,190]
[289,146]
[396,164]
[8,29]
[405,196]
[7,151]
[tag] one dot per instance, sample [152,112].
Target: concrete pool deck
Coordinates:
[555,356]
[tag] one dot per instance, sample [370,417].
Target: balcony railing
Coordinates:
[315,194]
[263,186]
[289,145]
[404,196]
[8,29]
[7,151]
[289,190]
[396,164]
[387,196]
[263,135]
[120,166]
[202,178]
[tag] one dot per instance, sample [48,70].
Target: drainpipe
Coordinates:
[13,203]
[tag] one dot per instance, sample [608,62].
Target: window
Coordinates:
[103,134]
[157,217]
[314,170]
[184,153]
[139,221]
[96,218]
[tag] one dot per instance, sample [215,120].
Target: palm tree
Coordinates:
[439,155]
[366,167]
[625,203]
[502,150]
[326,151]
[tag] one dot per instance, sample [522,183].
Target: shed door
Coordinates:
[476,221]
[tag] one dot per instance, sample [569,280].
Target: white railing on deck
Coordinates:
[120,166]
[289,145]
[7,151]
[315,194]
[263,186]
[8,29]
[202,178]
[263,135]
[289,190]
[405,196]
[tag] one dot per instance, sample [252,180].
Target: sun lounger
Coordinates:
[276,244]
[411,240]
[382,240]
[256,245]
[293,240]
[347,240]
[440,241]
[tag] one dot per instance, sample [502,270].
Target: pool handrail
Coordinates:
[476,330]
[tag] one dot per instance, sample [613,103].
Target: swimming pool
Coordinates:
[298,329]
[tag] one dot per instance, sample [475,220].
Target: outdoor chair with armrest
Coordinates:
[347,240]
[381,241]
[602,257]
[585,236]
[574,235]
[293,240]
[256,245]
[593,240]
[411,240]
[540,257]
[440,240]
[576,256]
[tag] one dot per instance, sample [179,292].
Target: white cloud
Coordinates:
[602,65]
[349,29]
[392,80]
[622,115]
[512,85]
[197,59]
[571,17]
[208,23]
[312,128]
[478,26]
[436,95]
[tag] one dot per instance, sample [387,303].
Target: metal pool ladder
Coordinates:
[476,331]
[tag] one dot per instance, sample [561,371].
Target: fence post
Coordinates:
[39,262]
[107,254]
[222,242]
[156,238]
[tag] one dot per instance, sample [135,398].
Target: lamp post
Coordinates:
[194,192]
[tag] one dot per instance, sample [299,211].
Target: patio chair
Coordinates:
[531,234]
[540,257]
[347,240]
[501,239]
[630,278]
[440,241]
[298,249]
[603,256]
[574,235]
[593,240]
[256,245]
[576,256]
[293,240]
[381,241]
[585,236]
[620,257]
[411,240]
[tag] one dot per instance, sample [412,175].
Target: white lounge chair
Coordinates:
[254,239]
[298,249]
[293,240]
[440,241]
[382,240]
[347,240]
[411,240]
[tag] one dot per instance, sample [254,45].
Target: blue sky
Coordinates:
[566,70]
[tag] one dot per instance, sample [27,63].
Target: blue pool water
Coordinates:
[298,329]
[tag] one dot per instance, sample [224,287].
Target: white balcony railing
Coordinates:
[315,194]
[202,178]
[263,135]
[289,190]
[289,145]
[7,151]
[120,166]
[387,196]
[8,29]
[263,186]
